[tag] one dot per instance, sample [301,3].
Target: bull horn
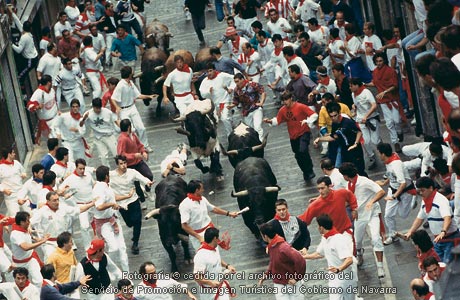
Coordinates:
[262,145]
[240,193]
[178,119]
[150,35]
[228,153]
[153,212]
[169,34]
[183,131]
[269,189]
[158,68]
[158,80]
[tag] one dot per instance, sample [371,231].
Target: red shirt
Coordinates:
[9,221]
[129,145]
[384,79]
[68,49]
[106,98]
[334,206]
[293,116]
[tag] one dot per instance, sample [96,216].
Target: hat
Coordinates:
[96,244]
[230,31]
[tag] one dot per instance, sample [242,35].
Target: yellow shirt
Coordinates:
[325,120]
[62,262]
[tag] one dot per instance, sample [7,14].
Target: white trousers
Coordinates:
[371,138]
[254,120]
[393,207]
[288,292]
[76,149]
[48,248]
[374,228]
[115,245]
[133,115]
[69,95]
[106,145]
[12,205]
[33,267]
[109,37]
[95,80]
[392,121]
[85,219]
[5,258]
[183,102]
[226,117]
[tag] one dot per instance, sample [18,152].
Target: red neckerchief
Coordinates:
[236,44]
[392,41]
[324,80]
[278,50]
[185,69]
[43,88]
[289,59]
[215,75]
[90,260]
[206,246]
[46,38]
[52,209]
[49,188]
[330,233]
[277,239]
[347,38]
[19,228]
[359,91]
[152,285]
[429,201]
[352,184]
[301,2]
[120,296]
[245,58]
[297,76]
[75,116]
[428,296]
[392,158]
[277,217]
[447,178]
[305,50]
[193,197]
[264,43]
[44,283]
[25,285]
[75,172]
[60,163]
[6,162]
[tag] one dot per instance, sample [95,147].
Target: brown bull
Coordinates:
[157,35]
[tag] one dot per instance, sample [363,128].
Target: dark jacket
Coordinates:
[100,280]
[49,292]
[302,238]
[345,93]
[310,58]
[196,7]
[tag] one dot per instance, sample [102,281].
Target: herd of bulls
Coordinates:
[255,185]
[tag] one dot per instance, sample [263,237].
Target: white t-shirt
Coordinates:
[265,50]
[363,103]
[44,220]
[180,81]
[102,124]
[397,174]
[320,36]
[10,176]
[89,55]
[122,184]
[371,43]
[335,49]
[219,94]
[195,213]
[30,191]
[59,28]
[83,185]
[17,238]
[307,10]
[278,27]
[63,125]
[243,60]
[105,194]
[338,182]
[353,45]
[365,190]
[26,46]
[67,79]
[49,65]
[303,66]
[438,212]
[208,262]
[125,93]
[11,291]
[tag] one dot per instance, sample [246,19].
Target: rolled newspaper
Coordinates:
[243,210]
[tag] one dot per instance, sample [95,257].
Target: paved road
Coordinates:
[246,255]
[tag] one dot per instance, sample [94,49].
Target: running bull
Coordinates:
[256,187]
[201,130]
[169,194]
[244,142]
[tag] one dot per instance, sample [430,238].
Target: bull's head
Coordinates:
[169,223]
[256,198]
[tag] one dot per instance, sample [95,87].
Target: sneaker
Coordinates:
[413,122]
[135,249]
[398,148]
[188,15]
[309,177]
[149,149]
[390,240]
[359,256]
[372,164]
[380,272]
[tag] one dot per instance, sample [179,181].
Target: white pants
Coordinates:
[12,205]
[33,267]
[69,95]
[109,37]
[371,138]
[95,80]
[226,117]
[115,245]
[374,228]
[85,219]
[52,128]
[105,145]
[183,102]
[133,115]
[195,243]
[48,248]
[288,292]
[415,149]
[394,207]
[5,258]
[131,63]
[254,120]
[76,149]
[392,121]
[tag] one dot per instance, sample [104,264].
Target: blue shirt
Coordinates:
[227,65]
[127,47]
[47,161]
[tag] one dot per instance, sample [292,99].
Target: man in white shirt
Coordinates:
[53,218]
[104,125]
[308,9]
[68,83]
[235,42]
[62,168]
[23,248]
[154,285]
[180,80]
[61,25]
[21,288]
[122,183]
[125,96]
[81,183]
[106,218]
[250,60]
[218,87]
[367,193]
[30,189]
[370,44]
[99,44]
[70,133]
[278,25]
[174,163]
[338,182]
[293,59]
[49,63]
[318,34]
[92,59]
[12,174]
[340,23]
[194,213]
[26,48]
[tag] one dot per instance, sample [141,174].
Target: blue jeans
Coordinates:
[431,51]
[402,92]
[220,9]
[443,249]
[412,39]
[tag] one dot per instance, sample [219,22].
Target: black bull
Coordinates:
[256,188]
[169,194]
